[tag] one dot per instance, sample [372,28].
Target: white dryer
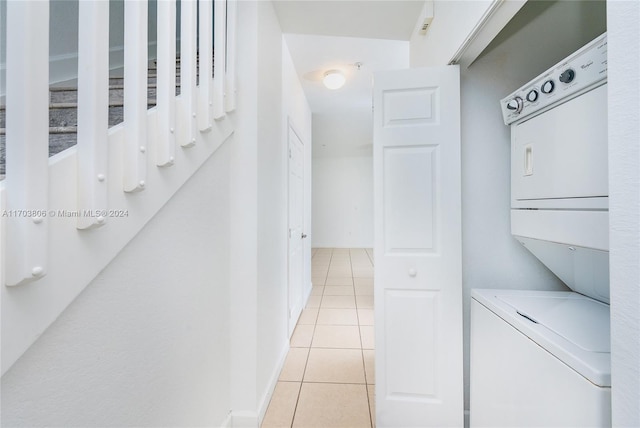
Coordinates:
[542,358]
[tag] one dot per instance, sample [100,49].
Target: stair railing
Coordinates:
[65,217]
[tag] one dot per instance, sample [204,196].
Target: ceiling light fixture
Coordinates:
[333,79]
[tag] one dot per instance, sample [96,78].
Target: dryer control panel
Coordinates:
[585,69]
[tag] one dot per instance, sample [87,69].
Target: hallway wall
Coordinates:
[624,218]
[272,205]
[258,250]
[143,345]
[343,202]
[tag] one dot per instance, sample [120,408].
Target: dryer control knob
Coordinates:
[567,76]
[515,104]
[548,87]
[532,96]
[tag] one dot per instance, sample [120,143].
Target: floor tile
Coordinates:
[302,336]
[338,290]
[339,302]
[339,274]
[317,290]
[364,290]
[340,264]
[282,406]
[362,273]
[336,336]
[368,337]
[294,365]
[308,316]
[372,402]
[365,316]
[332,405]
[369,365]
[314,301]
[335,366]
[362,281]
[339,281]
[364,302]
[332,316]
[320,265]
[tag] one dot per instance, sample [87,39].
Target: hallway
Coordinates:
[328,376]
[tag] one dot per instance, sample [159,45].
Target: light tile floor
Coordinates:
[328,377]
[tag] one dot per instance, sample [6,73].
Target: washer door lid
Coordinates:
[579,320]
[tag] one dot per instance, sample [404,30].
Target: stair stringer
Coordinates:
[77,256]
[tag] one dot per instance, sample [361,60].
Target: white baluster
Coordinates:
[206,56]
[219,52]
[93,112]
[188,71]
[166,83]
[135,95]
[27,139]
[230,87]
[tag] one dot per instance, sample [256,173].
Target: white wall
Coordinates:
[259,339]
[343,202]
[539,36]
[146,344]
[624,220]
[272,207]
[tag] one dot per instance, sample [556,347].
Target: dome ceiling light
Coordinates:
[333,79]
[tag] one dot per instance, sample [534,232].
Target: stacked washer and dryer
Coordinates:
[542,358]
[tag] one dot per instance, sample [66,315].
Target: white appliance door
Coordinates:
[296,228]
[417,248]
[555,156]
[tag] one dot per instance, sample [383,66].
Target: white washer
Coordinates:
[539,359]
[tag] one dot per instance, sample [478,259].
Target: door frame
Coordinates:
[293,320]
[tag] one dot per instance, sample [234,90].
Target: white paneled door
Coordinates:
[296,227]
[417,248]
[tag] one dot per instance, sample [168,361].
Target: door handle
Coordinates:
[304,235]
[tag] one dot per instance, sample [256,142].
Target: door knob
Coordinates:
[412,272]
[304,235]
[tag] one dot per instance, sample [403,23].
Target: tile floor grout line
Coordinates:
[306,363]
[367,387]
[364,366]
[369,403]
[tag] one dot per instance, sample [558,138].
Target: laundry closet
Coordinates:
[539,37]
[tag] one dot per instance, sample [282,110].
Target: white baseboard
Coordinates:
[228,422]
[243,420]
[273,380]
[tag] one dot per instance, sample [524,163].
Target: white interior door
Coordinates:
[296,227]
[417,248]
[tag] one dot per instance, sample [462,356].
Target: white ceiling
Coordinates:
[322,35]
[375,19]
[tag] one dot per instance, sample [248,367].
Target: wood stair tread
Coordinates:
[62,136]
